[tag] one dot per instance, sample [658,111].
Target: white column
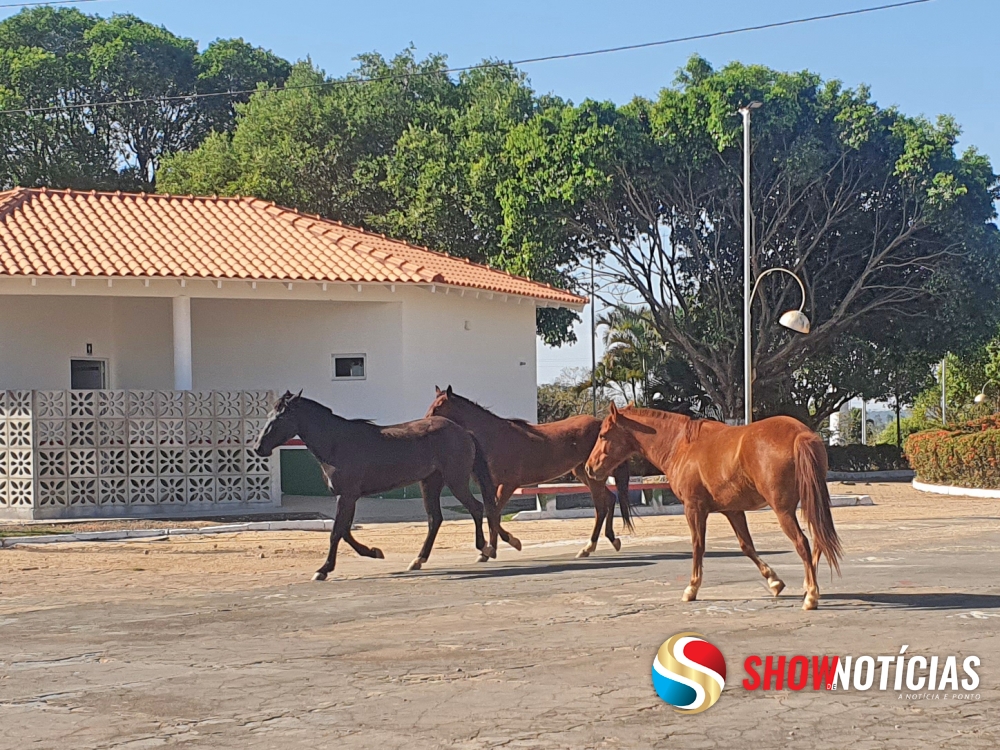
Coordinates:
[182,344]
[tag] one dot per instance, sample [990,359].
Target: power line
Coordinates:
[463,69]
[50,2]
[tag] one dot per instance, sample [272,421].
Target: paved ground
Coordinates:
[204,643]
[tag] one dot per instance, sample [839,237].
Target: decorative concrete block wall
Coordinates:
[132,453]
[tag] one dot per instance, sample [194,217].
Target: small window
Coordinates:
[87,375]
[349,367]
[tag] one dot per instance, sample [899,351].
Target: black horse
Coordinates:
[360,458]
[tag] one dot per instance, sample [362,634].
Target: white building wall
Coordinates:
[39,335]
[484,349]
[288,345]
[258,338]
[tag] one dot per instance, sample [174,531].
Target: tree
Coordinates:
[569,396]
[886,225]
[73,69]
[398,146]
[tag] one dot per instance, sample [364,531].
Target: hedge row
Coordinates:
[859,457]
[965,456]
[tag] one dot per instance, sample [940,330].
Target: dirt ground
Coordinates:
[222,640]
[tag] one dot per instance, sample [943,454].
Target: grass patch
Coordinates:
[10,533]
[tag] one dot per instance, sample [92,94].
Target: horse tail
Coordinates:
[484,477]
[622,480]
[810,475]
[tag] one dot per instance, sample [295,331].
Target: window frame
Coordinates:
[357,355]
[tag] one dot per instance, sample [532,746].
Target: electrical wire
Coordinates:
[463,69]
[50,2]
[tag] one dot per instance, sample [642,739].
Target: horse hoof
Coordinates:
[514,542]
[811,602]
[689,595]
[483,557]
[776,586]
[417,564]
[489,551]
[617,544]
[319,576]
[377,553]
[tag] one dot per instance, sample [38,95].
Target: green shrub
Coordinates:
[859,457]
[964,456]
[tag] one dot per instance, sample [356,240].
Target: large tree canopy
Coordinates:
[399,147]
[889,229]
[83,64]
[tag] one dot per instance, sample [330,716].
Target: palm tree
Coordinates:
[633,352]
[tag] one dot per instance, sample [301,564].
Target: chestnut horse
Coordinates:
[360,458]
[520,453]
[713,467]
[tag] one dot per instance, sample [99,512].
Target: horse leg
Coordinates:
[503,497]
[601,497]
[504,492]
[738,520]
[622,480]
[362,549]
[790,525]
[342,523]
[430,490]
[696,518]
[461,491]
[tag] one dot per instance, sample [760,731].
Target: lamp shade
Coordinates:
[980,398]
[795,320]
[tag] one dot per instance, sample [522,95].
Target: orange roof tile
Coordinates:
[73,233]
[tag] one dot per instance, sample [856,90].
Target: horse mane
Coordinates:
[692,425]
[317,406]
[470,402]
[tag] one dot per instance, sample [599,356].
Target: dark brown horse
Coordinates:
[520,453]
[713,467]
[360,458]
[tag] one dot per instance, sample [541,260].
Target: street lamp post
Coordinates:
[794,320]
[747,250]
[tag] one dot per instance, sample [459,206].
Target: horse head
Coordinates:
[282,424]
[444,404]
[614,445]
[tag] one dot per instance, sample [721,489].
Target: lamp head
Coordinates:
[795,320]
[980,398]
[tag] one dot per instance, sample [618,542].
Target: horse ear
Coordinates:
[299,394]
[631,405]
[437,390]
[450,392]
[288,395]
[612,410]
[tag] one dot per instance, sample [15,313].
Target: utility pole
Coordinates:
[593,337]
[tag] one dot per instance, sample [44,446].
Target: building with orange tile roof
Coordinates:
[180,292]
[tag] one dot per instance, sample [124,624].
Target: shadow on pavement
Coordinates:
[923,601]
[591,563]
[533,570]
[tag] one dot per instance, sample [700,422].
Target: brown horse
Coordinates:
[520,453]
[360,458]
[713,467]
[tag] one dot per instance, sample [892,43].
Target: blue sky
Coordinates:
[928,59]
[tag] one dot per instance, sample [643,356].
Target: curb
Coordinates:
[139,534]
[944,489]
[836,501]
[892,475]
